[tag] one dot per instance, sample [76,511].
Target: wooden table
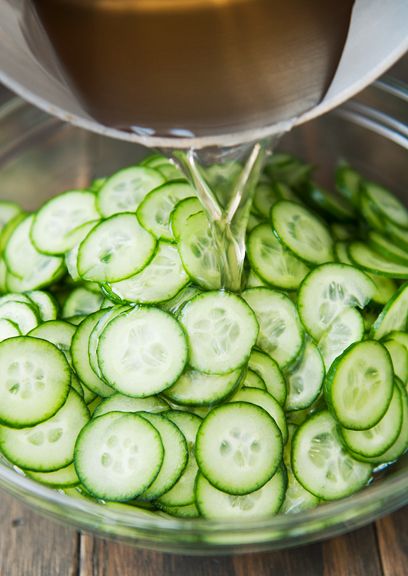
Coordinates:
[33,546]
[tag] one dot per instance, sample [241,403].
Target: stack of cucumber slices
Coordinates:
[128,376]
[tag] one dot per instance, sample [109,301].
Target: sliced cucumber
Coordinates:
[182,493]
[198,252]
[181,213]
[386,204]
[124,191]
[272,261]
[45,303]
[175,304]
[305,379]
[8,329]
[399,358]
[268,403]
[239,447]
[24,261]
[142,352]
[57,332]
[266,368]
[264,198]
[155,210]
[281,334]
[375,441]
[120,403]
[252,380]
[302,232]
[221,330]
[80,357]
[346,328]
[49,445]
[118,456]
[62,478]
[348,182]
[387,248]
[115,249]
[34,381]
[321,464]
[359,385]
[332,205]
[71,257]
[327,291]
[161,280]
[368,259]
[262,503]
[53,224]
[394,316]
[175,456]
[93,341]
[81,302]
[195,388]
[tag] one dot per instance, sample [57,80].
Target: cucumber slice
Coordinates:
[399,358]
[49,445]
[398,336]
[252,380]
[23,315]
[155,210]
[115,249]
[370,214]
[120,403]
[321,464]
[239,447]
[397,234]
[181,213]
[124,191]
[34,381]
[57,332]
[305,380]
[118,456]
[24,261]
[327,291]
[264,198]
[297,498]
[221,330]
[262,503]
[8,329]
[80,357]
[53,224]
[388,205]
[281,334]
[386,248]
[394,316]
[368,259]
[348,183]
[346,329]
[71,257]
[272,261]
[263,365]
[8,211]
[175,304]
[188,511]
[93,341]
[198,252]
[62,478]
[268,403]
[400,445]
[375,441]
[142,352]
[175,456]
[75,385]
[195,388]
[182,493]
[330,204]
[343,232]
[254,281]
[45,303]
[359,385]
[302,232]
[161,279]
[81,302]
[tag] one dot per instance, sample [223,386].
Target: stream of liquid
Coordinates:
[193,68]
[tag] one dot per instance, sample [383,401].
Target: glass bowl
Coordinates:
[40,156]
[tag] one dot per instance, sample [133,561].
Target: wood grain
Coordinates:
[392,533]
[31,545]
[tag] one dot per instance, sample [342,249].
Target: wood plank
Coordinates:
[354,554]
[392,534]
[31,545]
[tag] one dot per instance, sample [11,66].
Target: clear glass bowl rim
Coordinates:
[355,510]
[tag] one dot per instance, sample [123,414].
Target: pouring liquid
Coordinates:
[193,68]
